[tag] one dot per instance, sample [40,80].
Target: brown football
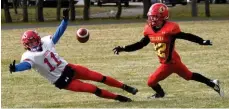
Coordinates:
[82,35]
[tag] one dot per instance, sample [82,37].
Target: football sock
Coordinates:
[200,78]
[158,90]
[122,98]
[112,82]
[96,76]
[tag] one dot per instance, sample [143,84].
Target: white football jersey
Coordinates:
[46,62]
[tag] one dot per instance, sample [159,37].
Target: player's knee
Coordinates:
[98,91]
[151,82]
[188,76]
[103,79]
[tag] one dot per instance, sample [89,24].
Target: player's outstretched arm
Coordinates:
[133,47]
[19,67]
[192,38]
[62,27]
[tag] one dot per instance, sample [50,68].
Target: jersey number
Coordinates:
[160,48]
[46,61]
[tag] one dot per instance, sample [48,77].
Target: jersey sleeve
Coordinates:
[47,40]
[175,29]
[22,66]
[27,58]
[145,31]
[59,31]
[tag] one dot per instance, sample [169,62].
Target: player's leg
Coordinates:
[87,74]
[79,86]
[184,72]
[215,84]
[161,73]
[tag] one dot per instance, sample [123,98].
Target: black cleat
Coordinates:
[122,98]
[130,89]
[217,87]
[156,95]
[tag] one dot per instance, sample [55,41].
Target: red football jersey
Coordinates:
[162,40]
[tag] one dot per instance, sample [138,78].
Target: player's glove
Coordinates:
[12,67]
[66,14]
[118,49]
[206,42]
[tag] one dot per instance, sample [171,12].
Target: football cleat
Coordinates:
[217,87]
[155,96]
[123,98]
[130,89]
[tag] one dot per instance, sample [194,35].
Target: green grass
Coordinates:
[29,89]
[177,12]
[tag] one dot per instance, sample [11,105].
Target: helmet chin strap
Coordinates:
[157,26]
[34,49]
[160,25]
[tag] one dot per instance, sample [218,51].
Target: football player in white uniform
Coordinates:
[41,55]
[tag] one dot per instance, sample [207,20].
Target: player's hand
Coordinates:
[66,14]
[118,49]
[12,67]
[206,42]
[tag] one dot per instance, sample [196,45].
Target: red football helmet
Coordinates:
[157,14]
[31,40]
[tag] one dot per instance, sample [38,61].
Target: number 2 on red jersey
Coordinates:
[160,49]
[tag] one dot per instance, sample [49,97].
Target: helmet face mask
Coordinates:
[31,40]
[157,14]
[155,21]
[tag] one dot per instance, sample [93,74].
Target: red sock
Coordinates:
[113,82]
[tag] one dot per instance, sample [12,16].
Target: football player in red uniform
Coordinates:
[162,34]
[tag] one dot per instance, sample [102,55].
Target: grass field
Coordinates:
[29,89]
[177,12]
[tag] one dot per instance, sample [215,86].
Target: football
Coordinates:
[82,35]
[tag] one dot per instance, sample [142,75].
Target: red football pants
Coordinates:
[164,70]
[86,74]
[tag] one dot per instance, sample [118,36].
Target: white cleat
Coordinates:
[217,87]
